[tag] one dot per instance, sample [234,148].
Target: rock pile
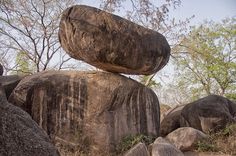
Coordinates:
[90,112]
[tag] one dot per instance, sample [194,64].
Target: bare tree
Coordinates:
[30,27]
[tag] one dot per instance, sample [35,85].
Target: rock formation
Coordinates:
[139,149]
[110,42]
[171,121]
[162,147]
[209,113]
[93,108]
[19,134]
[185,138]
[9,83]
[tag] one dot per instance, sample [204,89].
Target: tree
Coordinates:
[207,60]
[31,26]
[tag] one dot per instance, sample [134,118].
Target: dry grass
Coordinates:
[223,141]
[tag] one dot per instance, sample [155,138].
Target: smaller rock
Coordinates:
[185,138]
[9,83]
[139,149]
[162,147]
[1,70]
[171,121]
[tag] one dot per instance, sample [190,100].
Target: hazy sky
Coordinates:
[202,9]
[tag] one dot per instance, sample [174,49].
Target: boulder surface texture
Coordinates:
[110,42]
[19,134]
[96,109]
[139,149]
[185,138]
[213,112]
[162,147]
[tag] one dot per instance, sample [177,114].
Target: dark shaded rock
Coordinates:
[162,147]
[209,113]
[94,109]
[171,121]
[185,138]
[1,70]
[138,150]
[110,42]
[9,83]
[19,134]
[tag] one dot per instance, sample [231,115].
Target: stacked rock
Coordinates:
[112,43]
[97,109]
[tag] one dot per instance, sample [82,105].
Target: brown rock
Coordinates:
[209,113]
[162,147]
[185,138]
[19,134]
[9,83]
[110,42]
[94,109]
[138,150]
[171,120]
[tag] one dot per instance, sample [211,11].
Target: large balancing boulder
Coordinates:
[88,112]
[110,42]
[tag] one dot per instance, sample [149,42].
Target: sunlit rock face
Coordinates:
[92,109]
[110,42]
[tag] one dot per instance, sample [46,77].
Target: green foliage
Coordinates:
[206,60]
[149,81]
[131,140]
[23,64]
[204,146]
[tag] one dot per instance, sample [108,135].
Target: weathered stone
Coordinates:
[209,113]
[1,70]
[161,147]
[94,109]
[110,42]
[171,120]
[185,138]
[9,83]
[19,134]
[138,150]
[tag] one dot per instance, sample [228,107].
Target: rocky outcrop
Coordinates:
[110,42]
[1,70]
[210,113]
[19,134]
[185,138]
[171,121]
[9,83]
[161,147]
[138,150]
[94,109]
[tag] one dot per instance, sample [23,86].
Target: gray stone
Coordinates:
[138,150]
[19,134]
[110,42]
[96,109]
[210,113]
[171,120]
[185,138]
[9,83]
[162,147]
